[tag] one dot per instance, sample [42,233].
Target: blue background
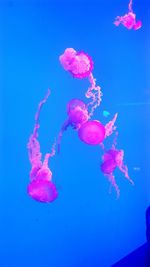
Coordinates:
[85,226]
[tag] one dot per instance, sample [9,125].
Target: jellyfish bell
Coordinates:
[110,154]
[44,174]
[108,166]
[79,64]
[109,161]
[77,111]
[82,65]
[92,132]
[75,102]
[42,190]
[67,57]
[128,20]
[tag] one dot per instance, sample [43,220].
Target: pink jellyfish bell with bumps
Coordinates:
[41,187]
[129,19]
[80,65]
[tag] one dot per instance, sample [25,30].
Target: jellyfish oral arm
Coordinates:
[124,169]
[110,127]
[94,92]
[63,128]
[34,151]
[37,115]
[33,144]
[49,155]
[130,6]
[111,179]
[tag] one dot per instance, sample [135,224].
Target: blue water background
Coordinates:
[86,226]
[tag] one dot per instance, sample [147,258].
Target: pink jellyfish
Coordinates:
[129,19]
[41,187]
[92,132]
[77,115]
[112,159]
[80,65]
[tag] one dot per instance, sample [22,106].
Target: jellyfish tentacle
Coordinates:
[49,155]
[33,145]
[37,115]
[122,167]
[95,93]
[130,6]
[64,127]
[110,126]
[34,151]
[111,179]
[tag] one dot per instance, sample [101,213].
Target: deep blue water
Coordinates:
[86,226]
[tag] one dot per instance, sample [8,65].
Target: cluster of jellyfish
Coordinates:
[79,117]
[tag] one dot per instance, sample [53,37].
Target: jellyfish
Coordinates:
[77,115]
[40,187]
[129,19]
[80,65]
[92,132]
[112,159]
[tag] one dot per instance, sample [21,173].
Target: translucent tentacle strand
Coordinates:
[110,126]
[130,6]
[93,92]
[63,128]
[33,145]
[111,179]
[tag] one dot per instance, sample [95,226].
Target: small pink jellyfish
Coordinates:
[80,65]
[92,132]
[77,115]
[112,159]
[41,187]
[129,19]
